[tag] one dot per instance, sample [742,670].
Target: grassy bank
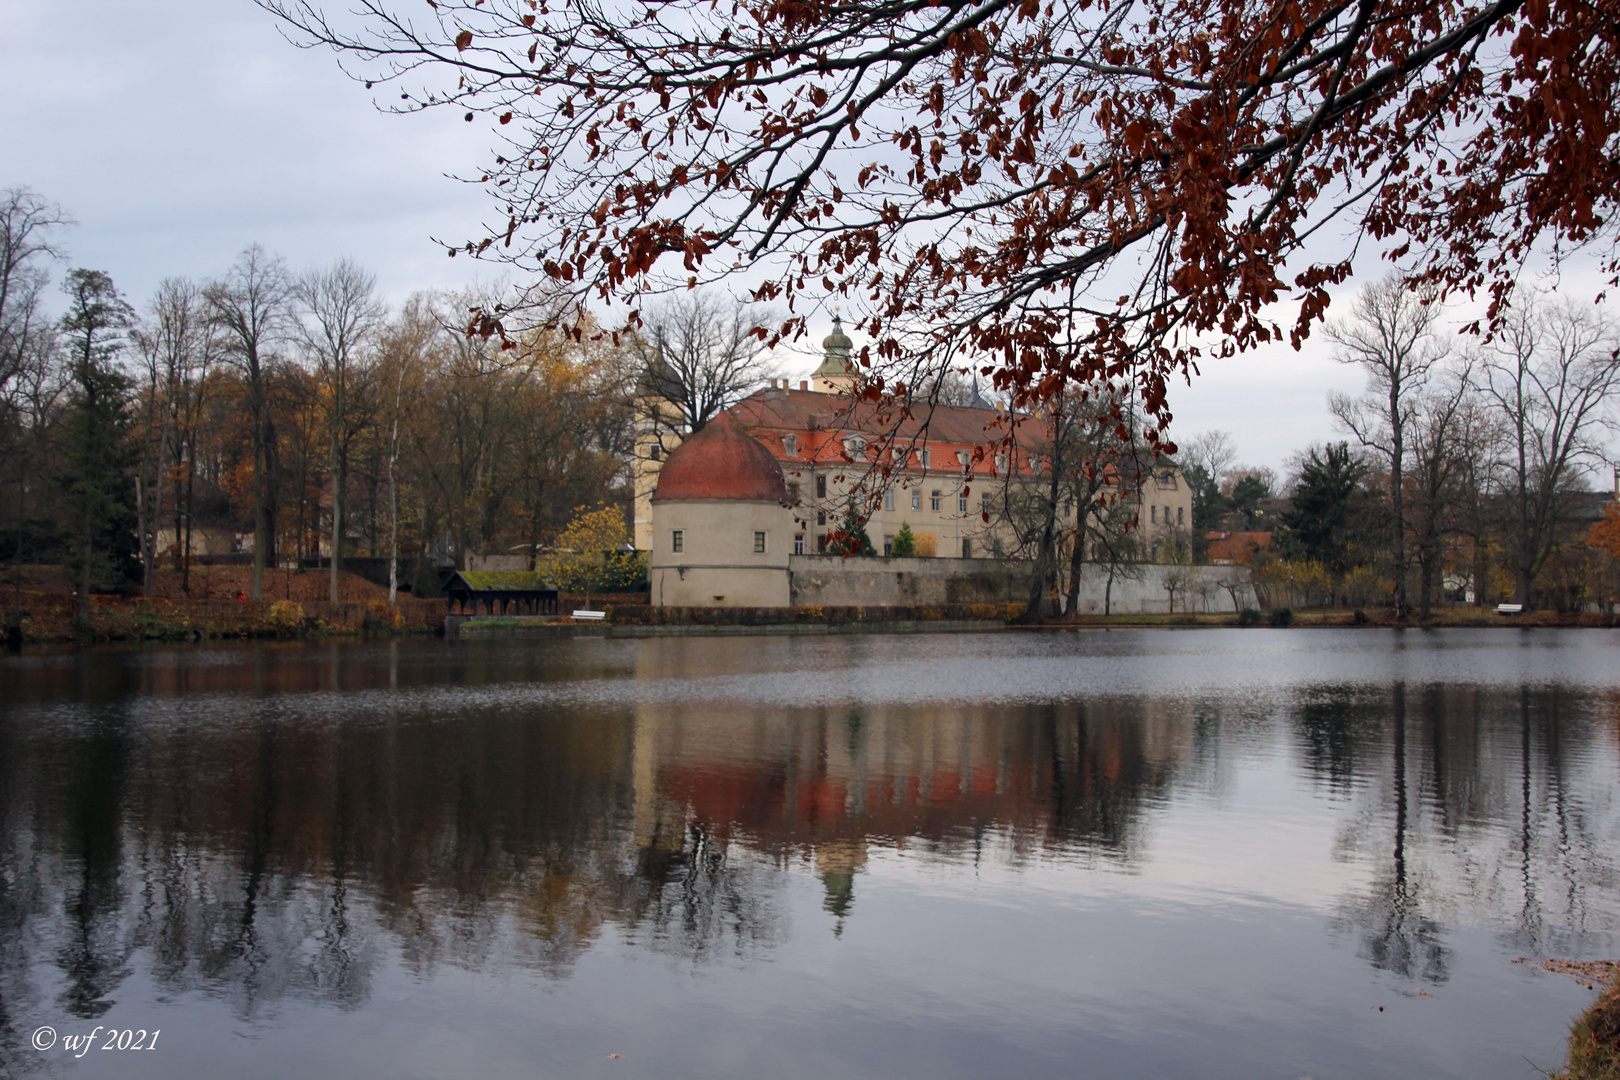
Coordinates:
[38,618]
[1594,1042]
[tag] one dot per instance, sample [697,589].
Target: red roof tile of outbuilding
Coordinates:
[721,462]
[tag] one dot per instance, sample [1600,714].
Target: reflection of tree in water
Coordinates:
[94,953]
[1395,935]
[704,898]
[270,859]
[1468,806]
[1334,728]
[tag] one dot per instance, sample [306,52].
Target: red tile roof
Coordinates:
[820,424]
[1236,547]
[721,462]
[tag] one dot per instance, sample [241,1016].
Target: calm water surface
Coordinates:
[1242,854]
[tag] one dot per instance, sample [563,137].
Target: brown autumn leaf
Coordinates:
[1013,164]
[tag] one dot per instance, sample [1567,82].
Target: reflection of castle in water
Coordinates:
[825,784]
[269,858]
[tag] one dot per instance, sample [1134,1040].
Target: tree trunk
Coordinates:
[142,533]
[260,494]
[1045,561]
[81,611]
[337,528]
[1397,500]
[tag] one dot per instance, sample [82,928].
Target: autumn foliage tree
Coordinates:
[588,558]
[1055,191]
[1605,535]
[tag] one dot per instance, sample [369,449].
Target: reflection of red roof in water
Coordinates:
[721,462]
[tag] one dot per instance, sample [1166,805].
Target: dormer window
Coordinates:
[926,458]
[1001,464]
[790,445]
[962,458]
[855,447]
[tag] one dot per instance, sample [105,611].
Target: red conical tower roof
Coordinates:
[721,462]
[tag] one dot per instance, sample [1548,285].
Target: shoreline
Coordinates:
[44,618]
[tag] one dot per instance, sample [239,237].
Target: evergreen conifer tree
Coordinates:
[905,542]
[97,453]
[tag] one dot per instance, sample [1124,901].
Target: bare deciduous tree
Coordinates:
[28,224]
[1390,334]
[251,307]
[341,315]
[1551,375]
[697,355]
[174,344]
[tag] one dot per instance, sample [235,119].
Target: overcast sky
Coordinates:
[179,131]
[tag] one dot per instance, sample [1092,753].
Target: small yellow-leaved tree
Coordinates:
[587,557]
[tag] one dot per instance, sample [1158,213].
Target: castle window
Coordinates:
[821,487]
[821,517]
[793,494]
[1153,514]
[759,543]
[1181,515]
[677,540]
[916,500]
[654,452]
[933,500]
[984,502]
[790,444]
[821,542]
[961,502]
[888,545]
[967,549]
[888,498]
[798,544]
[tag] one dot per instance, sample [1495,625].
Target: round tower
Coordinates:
[721,527]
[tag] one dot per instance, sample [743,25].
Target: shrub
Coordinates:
[286,616]
[927,546]
[1282,617]
[1248,617]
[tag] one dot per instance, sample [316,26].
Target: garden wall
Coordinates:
[833,581]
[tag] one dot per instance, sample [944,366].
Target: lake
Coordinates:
[1201,853]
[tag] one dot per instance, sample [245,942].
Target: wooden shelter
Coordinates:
[525,590]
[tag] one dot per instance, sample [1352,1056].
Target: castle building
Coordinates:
[773,476]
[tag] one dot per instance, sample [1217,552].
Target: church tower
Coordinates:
[835,375]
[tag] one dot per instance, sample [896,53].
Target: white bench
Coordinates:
[1510,609]
[589,616]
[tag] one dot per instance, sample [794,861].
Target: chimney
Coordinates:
[804,384]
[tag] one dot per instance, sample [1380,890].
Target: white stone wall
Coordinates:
[831,581]
[717,565]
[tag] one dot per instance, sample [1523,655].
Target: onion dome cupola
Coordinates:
[835,375]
